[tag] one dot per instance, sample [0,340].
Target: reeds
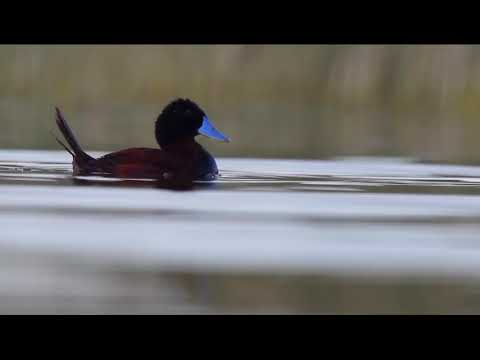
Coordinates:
[280,101]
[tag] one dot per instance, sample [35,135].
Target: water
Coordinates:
[353,235]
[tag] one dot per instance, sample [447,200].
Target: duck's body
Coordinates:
[191,161]
[180,158]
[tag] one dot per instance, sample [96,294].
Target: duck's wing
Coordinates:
[139,162]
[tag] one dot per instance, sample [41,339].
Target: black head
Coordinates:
[183,119]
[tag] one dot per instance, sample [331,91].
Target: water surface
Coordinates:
[370,235]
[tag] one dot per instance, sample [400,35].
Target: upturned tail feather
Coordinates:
[61,143]
[75,149]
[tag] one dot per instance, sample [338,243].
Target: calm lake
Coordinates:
[349,235]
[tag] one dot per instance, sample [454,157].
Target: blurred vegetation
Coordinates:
[273,101]
[330,294]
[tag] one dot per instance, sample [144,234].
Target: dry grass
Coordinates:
[283,101]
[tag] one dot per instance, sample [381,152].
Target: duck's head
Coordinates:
[182,119]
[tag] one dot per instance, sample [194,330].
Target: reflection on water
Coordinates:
[342,236]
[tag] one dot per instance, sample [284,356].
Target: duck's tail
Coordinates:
[75,149]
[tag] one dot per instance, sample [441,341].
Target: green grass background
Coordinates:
[290,101]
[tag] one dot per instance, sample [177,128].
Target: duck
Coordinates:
[179,157]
